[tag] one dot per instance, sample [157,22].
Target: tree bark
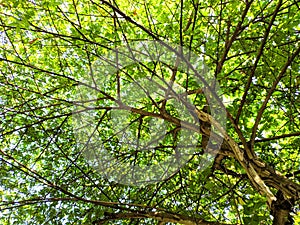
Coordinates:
[281,210]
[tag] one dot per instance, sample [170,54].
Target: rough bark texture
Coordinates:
[261,175]
[281,210]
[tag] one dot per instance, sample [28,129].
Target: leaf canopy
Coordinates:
[84,104]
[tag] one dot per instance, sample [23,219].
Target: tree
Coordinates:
[149,112]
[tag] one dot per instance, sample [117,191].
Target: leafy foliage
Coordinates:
[62,93]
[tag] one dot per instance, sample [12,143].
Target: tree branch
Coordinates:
[259,54]
[277,137]
[163,217]
[263,107]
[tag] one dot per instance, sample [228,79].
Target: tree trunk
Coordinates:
[281,210]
